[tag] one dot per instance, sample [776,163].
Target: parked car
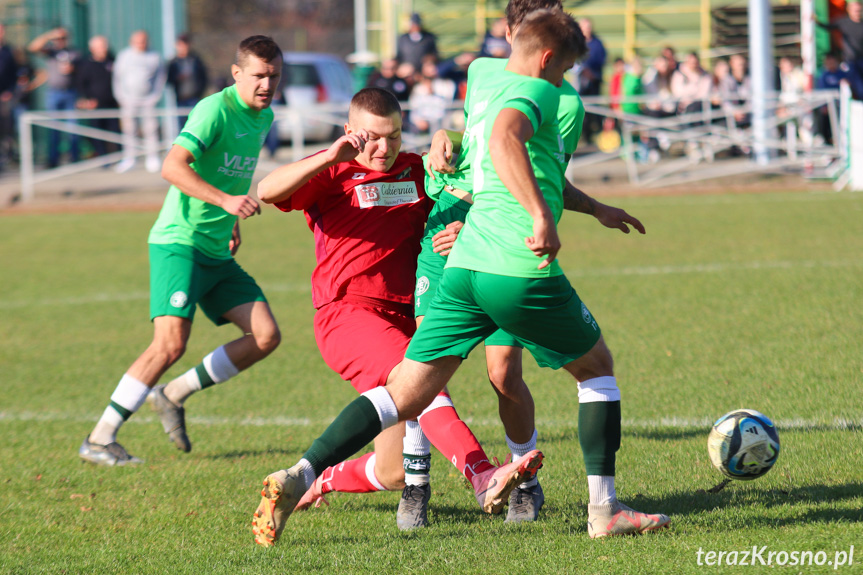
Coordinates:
[309,79]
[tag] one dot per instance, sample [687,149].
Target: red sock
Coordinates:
[354,476]
[452,437]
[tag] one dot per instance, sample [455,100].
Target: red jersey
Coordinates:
[368,226]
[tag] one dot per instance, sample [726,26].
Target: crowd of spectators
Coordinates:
[134,81]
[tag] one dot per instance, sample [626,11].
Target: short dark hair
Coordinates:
[262,47]
[376,101]
[551,29]
[516,10]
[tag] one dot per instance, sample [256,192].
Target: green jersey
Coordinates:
[225,137]
[492,240]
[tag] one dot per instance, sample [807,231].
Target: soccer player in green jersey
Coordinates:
[451,187]
[192,245]
[501,274]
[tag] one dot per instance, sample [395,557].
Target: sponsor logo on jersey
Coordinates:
[238,166]
[179,299]
[386,194]
[359,176]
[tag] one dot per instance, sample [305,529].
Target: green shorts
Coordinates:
[545,315]
[181,276]
[430,265]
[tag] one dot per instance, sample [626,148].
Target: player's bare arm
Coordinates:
[283,182]
[444,144]
[577,201]
[236,239]
[178,171]
[509,134]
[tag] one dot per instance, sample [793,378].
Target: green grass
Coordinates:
[728,301]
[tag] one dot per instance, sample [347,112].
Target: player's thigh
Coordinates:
[171,333]
[363,344]
[228,286]
[543,314]
[176,282]
[504,366]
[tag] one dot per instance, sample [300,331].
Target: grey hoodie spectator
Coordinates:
[139,79]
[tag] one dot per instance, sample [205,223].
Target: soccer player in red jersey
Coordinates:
[366,204]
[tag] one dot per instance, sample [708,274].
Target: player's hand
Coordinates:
[242,206]
[443,241]
[617,218]
[348,147]
[440,154]
[544,241]
[236,240]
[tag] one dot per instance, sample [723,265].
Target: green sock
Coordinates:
[356,426]
[599,435]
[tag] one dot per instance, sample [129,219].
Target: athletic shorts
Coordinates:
[545,315]
[181,276]
[430,265]
[363,341]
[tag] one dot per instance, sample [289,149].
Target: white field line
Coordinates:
[130,296]
[717,267]
[679,423]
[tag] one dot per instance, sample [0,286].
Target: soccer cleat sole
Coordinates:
[277,504]
[525,471]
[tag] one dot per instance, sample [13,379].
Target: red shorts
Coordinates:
[363,342]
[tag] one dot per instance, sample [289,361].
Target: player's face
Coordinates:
[257,81]
[385,138]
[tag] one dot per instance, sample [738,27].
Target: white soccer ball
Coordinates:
[743,444]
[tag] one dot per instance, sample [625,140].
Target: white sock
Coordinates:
[519,450]
[308,471]
[598,389]
[219,365]
[179,389]
[601,489]
[128,397]
[384,405]
[416,444]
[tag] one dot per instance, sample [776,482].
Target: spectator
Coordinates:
[8,83]
[735,90]
[590,74]
[93,82]
[187,75]
[615,84]
[494,45]
[60,64]
[139,79]
[430,99]
[690,85]
[851,29]
[792,84]
[416,44]
[670,59]
[387,79]
[831,78]
[631,86]
[455,69]
[657,84]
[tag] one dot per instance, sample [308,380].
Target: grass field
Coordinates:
[729,301]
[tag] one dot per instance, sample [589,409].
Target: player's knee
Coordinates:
[267,340]
[170,350]
[506,379]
